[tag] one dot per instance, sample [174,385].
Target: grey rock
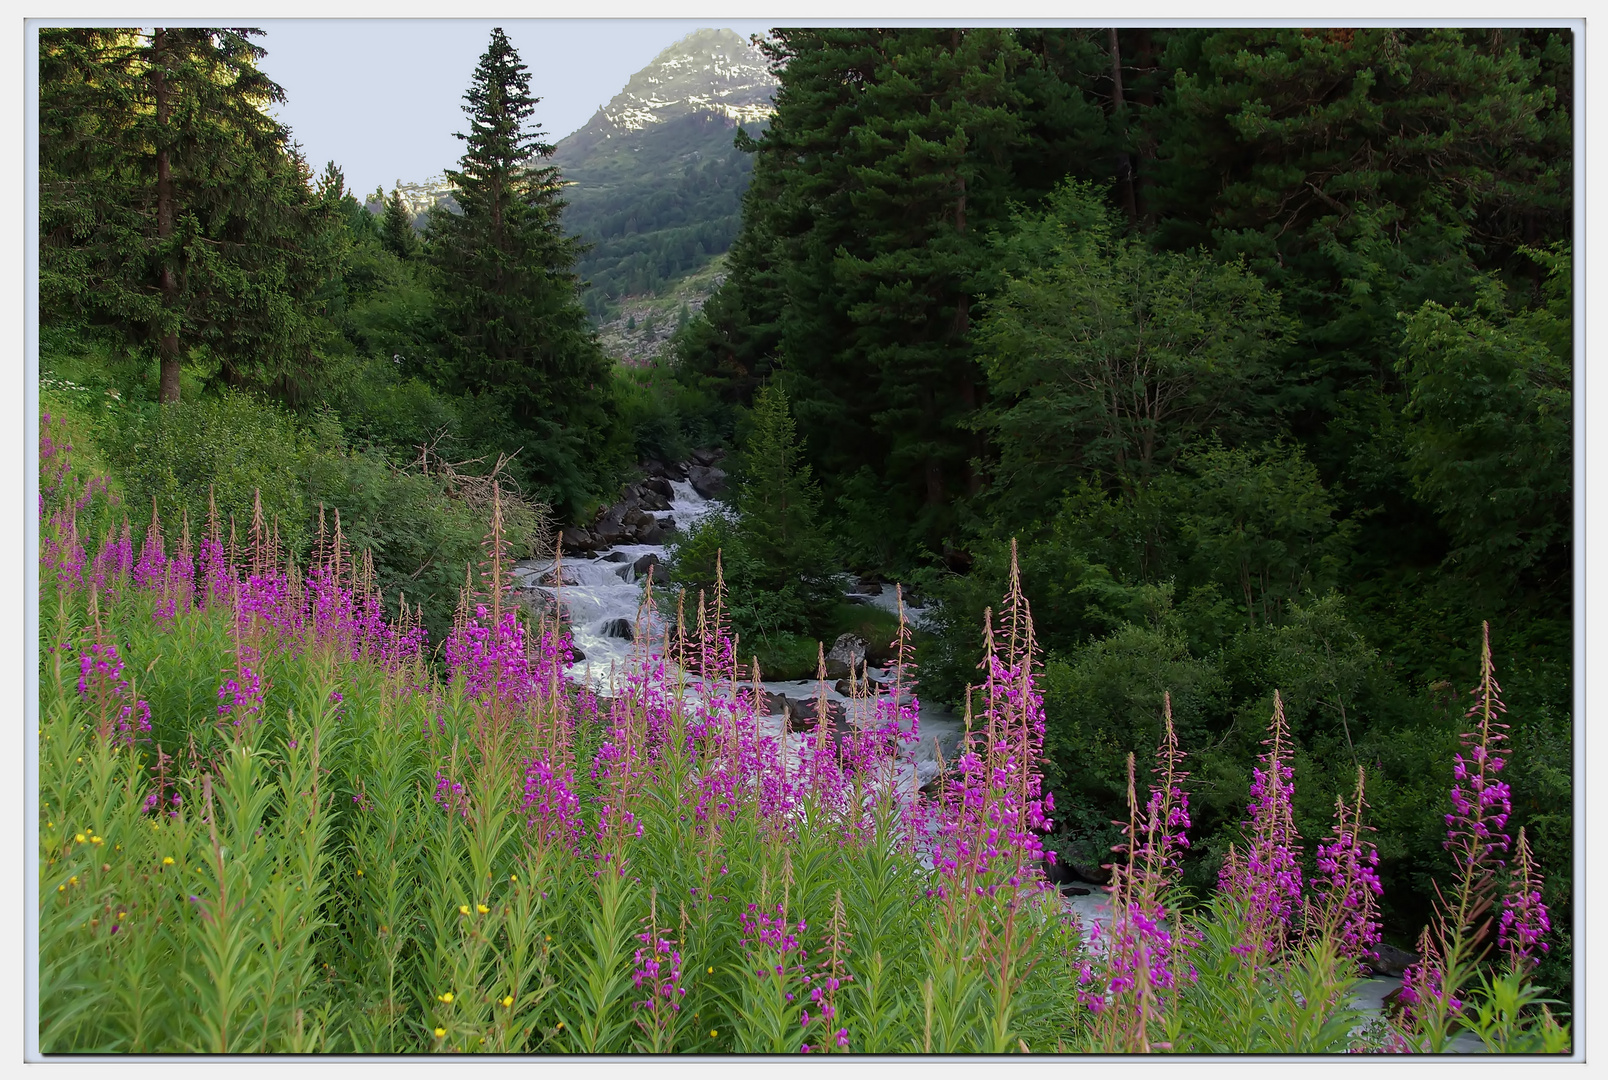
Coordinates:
[659,486]
[575,538]
[846,656]
[619,628]
[652,500]
[868,586]
[707,456]
[543,606]
[867,686]
[644,564]
[616,556]
[802,716]
[558,576]
[1089,871]
[1389,960]
[652,533]
[707,481]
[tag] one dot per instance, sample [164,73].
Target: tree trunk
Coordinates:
[1118,111]
[168,343]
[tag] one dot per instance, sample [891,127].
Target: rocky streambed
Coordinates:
[598,582]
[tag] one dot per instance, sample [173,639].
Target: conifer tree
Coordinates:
[174,213]
[396,228]
[778,501]
[508,291]
[891,156]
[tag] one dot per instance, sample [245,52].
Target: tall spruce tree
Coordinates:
[396,228]
[891,155]
[173,211]
[508,293]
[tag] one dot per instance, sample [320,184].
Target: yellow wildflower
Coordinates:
[463,909]
[79,838]
[482,908]
[713,1033]
[508,1001]
[441,1033]
[167,860]
[447,997]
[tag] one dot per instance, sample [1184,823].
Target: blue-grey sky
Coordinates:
[382,97]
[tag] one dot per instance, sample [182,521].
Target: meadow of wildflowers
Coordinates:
[275,819]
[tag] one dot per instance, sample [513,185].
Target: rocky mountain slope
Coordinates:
[655,186]
[707,73]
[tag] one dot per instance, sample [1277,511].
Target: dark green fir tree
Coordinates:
[509,294]
[174,213]
[396,228]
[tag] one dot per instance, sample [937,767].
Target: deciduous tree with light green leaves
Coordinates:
[1106,358]
[1490,444]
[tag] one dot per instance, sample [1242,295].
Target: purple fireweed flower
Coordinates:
[656,971]
[100,683]
[240,696]
[1422,983]
[1480,801]
[450,795]
[1348,880]
[150,571]
[1145,954]
[1266,875]
[552,806]
[1524,916]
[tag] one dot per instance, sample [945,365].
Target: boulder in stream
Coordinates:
[1389,960]
[708,456]
[847,656]
[644,564]
[707,481]
[619,628]
[867,687]
[802,716]
[575,538]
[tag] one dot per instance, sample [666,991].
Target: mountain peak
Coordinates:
[714,71]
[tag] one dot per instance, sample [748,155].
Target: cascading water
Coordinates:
[602,598]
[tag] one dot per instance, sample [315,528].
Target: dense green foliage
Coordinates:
[1273,388]
[173,213]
